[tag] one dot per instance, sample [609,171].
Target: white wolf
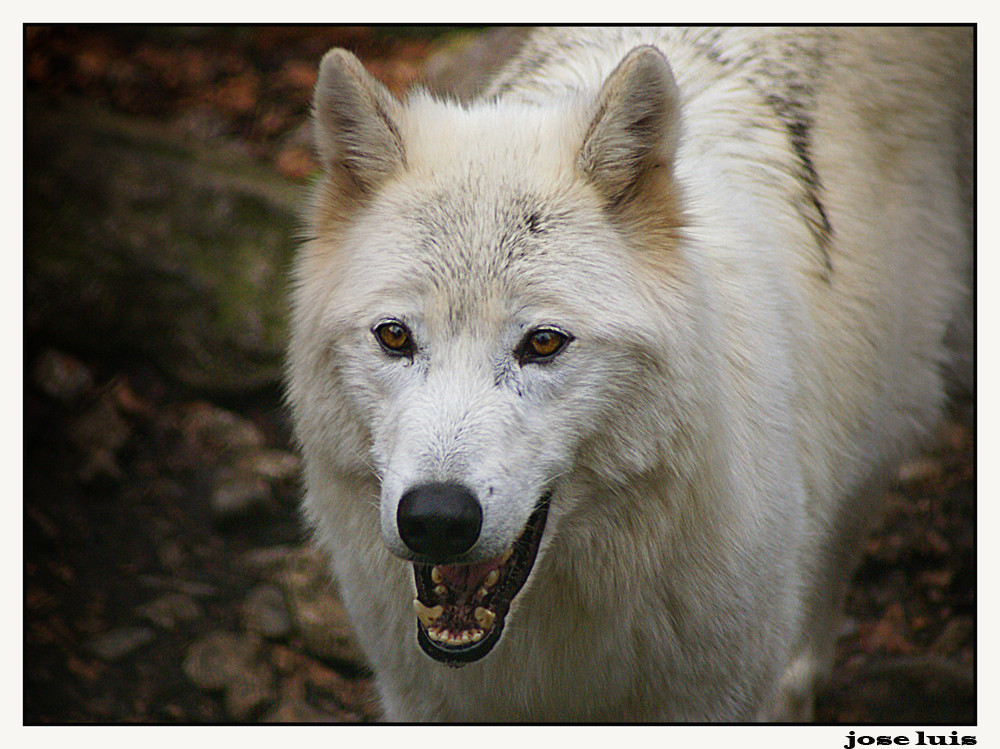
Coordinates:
[597,378]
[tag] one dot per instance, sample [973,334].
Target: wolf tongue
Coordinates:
[466,576]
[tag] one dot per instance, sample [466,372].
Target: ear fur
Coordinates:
[636,124]
[355,120]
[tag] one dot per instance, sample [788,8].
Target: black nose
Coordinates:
[439,520]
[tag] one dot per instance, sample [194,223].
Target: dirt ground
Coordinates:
[115,486]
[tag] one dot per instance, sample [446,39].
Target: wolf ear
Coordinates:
[636,124]
[355,118]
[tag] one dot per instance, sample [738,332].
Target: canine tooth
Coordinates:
[436,575]
[485,617]
[427,615]
[440,589]
[491,578]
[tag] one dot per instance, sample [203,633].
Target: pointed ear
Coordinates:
[355,120]
[636,124]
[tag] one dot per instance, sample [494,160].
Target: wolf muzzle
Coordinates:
[461,606]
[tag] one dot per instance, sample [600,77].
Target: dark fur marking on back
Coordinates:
[799,124]
[788,88]
[534,223]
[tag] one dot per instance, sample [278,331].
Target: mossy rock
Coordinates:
[139,241]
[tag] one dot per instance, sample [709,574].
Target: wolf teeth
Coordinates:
[491,578]
[440,590]
[452,638]
[485,617]
[436,633]
[506,555]
[427,615]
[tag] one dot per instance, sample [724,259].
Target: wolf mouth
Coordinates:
[461,608]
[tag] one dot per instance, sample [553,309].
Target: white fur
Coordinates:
[719,428]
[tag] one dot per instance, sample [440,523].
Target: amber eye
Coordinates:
[541,345]
[394,337]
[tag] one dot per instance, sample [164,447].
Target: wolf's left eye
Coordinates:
[541,345]
[395,338]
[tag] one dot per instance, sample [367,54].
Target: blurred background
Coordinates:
[167,576]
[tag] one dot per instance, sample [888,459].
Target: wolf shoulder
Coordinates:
[906,57]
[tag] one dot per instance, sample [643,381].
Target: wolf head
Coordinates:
[474,311]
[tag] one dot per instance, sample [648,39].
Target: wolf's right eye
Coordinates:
[394,338]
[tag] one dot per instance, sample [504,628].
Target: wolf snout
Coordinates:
[439,520]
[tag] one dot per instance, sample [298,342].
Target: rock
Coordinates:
[209,429]
[269,464]
[230,663]
[316,608]
[138,239]
[61,376]
[312,693]
[266,612]
[297,710]
[171,554]
[314,605]
[236,495]
[322,622]
[213,661]
[269,559]
[120,642]
[167,488]
[98,434]
[330,689]
[956,634]
[191,588]
[920,469]
[169,610]
[462,67]
[250,691]
[244,468]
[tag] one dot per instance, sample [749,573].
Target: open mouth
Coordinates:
[461,607]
